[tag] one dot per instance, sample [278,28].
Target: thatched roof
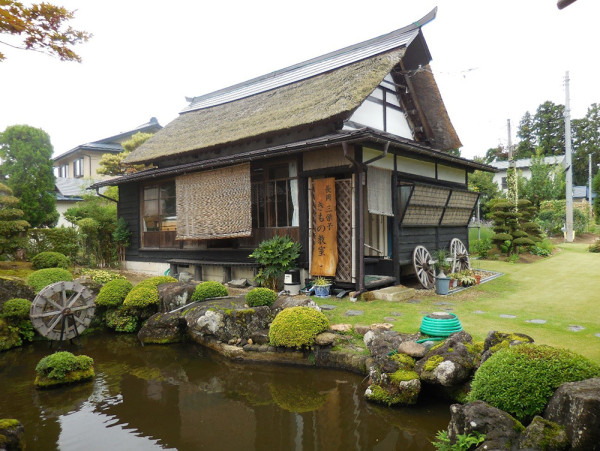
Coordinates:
[329,96]
[428,96]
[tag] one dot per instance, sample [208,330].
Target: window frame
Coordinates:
[164,236]
[78,168]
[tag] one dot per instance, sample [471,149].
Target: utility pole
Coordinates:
[511,173]
[590,186]
[569,174]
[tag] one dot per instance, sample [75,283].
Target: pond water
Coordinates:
[187,397]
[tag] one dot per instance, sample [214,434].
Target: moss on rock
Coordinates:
[433,362]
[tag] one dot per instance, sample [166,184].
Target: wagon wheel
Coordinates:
[62,311]
[423,267]
[460,256]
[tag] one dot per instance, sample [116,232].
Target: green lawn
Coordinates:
[564,290]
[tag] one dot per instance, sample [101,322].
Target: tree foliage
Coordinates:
[112,164]
[514,226]
[586,141]
[26,154]
[547,182]
[483,183]
[41,27]
[12,226]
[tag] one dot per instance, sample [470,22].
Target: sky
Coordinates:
[493,60]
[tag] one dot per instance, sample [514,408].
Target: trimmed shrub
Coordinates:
[42,278]
[141,296]
[59,239]
[122,320]
[260,296]
[209,290]
[17,309]
[297,327]
[50,260]
[156,281]
[63,367]
[521,379]
[113,293]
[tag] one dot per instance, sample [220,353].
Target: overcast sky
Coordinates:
[493,60]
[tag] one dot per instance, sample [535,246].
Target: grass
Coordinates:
[561,290]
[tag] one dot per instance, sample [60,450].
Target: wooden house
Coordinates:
[355,141]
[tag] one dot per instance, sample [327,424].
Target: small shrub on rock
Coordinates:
[260,296]
[208,290]
[63,368]
[297,327]
[521,379]
[141,297]
[16,309]
[113,293]
[42,278]
[122,320]
[50,260]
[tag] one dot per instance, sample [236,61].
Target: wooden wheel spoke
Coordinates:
[51,302]
[45,315]
[73,299]
[54,322]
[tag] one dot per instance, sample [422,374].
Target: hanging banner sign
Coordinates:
[324,252]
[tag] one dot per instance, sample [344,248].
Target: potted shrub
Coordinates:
[453,280]
[440,266]
[322,287]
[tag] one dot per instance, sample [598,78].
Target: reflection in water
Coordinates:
[186,397]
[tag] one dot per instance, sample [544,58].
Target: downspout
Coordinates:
[105,197]
[360,169]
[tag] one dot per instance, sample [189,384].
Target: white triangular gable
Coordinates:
[382,111]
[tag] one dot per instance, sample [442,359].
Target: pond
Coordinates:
[187,397]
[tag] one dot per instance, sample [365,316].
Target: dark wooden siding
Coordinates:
[430,237]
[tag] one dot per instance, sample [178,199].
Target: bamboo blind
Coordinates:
[214,204]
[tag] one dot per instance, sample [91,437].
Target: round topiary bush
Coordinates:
[42,278]
[50,260]
[63,368]
[141,297]
[16,309]
[521,379]
[113,293]
[209,290]
[297,327]
[156,281]
[260,296]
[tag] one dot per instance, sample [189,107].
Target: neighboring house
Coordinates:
[581,194]
[344,153]
[75,170]
[83,160]
[523,166]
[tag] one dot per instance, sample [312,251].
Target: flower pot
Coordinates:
[442,285]
[322,291]
[478,278]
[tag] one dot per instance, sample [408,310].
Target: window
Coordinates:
[504,184]
[78,167]
[275,196]
[159,215]
[63,171]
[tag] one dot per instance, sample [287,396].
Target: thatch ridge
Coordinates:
[329,96]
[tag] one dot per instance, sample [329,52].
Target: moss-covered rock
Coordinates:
[395,393]
[544,435]
[63,368]
[405,362]
[496,340]
[12,435]
[163,328]
[297,327]
[9,336]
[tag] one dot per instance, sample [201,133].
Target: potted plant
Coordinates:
[453,279]
[322,287]
[440,266]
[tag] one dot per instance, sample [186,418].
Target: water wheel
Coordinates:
[422,262]
[460,256]
[62,311]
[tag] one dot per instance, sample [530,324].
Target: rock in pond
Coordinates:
[544,434]
[501,430]
[175,295]
[163,328]
[227,324]
[401,388]
[13,287]
[12,435]
[576,406]
[325,339]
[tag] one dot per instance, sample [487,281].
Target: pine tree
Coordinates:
[12,226]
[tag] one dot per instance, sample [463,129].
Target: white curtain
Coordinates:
[293,172]
[379,191]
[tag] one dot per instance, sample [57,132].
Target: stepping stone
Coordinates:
[503,315]
[354,312]
[414,301]
[448,309]
[390,318]
[443,303]
[536,321]
[328,307]
[478,312]
[597,335]
[396,313]
[394,294]
[574,328]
